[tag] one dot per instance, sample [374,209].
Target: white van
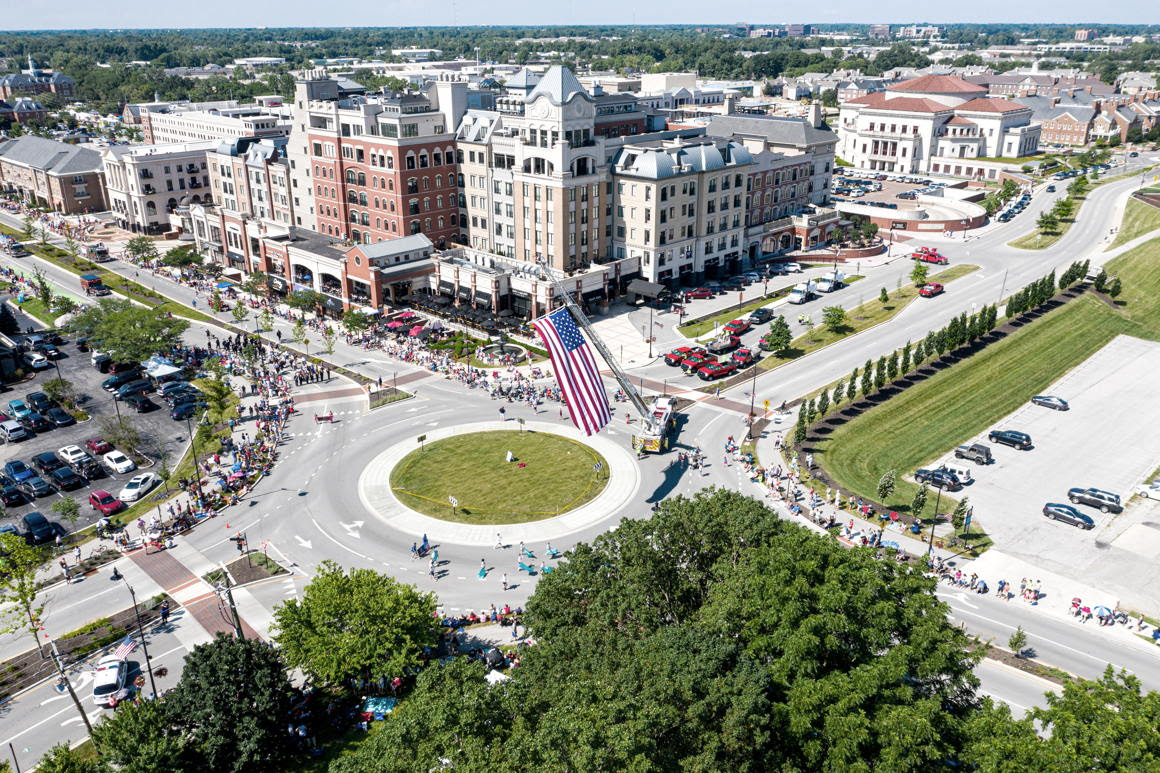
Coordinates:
[11,432]
[960,471]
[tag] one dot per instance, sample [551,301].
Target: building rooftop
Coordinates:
[938,84]
[395,246]
[991,105]
[559,85]
[902,104]
[780,130]
[51,156]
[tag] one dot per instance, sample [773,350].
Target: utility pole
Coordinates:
[141,636]
[1004,286]
[58,662]
[752,397]
[229,595]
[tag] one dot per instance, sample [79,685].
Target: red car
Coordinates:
[929,256]
[713,370]
[700,292]
[737,327]
[695,361]
[930,290]
[98,445]
[105,502]
[744,357]
[682,353]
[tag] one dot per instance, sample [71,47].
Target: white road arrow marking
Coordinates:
[352,529]
[303,543]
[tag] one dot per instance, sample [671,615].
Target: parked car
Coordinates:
[18,408]
[791,268]
[39,401]
[186,410]
[698,293]
[36,528]
[744,357]
[135,387]
[930,290]
[140,403]
[49,350]
[694,361]
[940,479]
[73,454]
[1149,490]
[1051,189]
[138,486]
[47,462]
[1010,437]
[715,370]
[1106,501]
[1068,514]
[17,471]
[1049,401]
[12,496]
[105,503]
[34,422]
[35,487]
[737,327]
[173,386]
[976,452]
[98,445]
[733,283]
[36,360]
[110,683]
[60,417]
[681,353]
[66,479]
[118,380]
[118,462]
[760,316]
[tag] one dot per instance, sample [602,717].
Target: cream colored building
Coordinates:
[145,184]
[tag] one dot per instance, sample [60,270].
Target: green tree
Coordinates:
[355,321]
[68,509]
[884,296]
[63,759]
[904,366]
[239,312]
[1101,280]
[62,391]
[918,504]
[779,337]
[43,289]
[1115,288]
[823,403]
[257,283]
[852,385]
[219,398]
[62,304]
[918,274]
[867,379]
[8,323]
[141,249]
[232,704]
[1018,642]
[834,318]
[181,257]
[801,429]
[304,301]
[29,225]
[329,337]
[880,373]
[298,333]
[839,393]
[266,320]
[892,366]
[886,485]
[128,332]
[140,738]
[959,516]
[354,625]
[19,608]
[120,432]
[1063,209]
[919,353]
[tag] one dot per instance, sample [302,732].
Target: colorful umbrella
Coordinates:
[416,330]
[406,315]
[394,324]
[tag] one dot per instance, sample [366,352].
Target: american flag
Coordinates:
[125,648]
[576,370]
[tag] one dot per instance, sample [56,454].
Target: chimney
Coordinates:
[730,104]
[816,115]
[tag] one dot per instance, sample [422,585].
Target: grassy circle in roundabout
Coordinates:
[550,476]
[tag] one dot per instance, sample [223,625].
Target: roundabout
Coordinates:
[499,477]
[589,479]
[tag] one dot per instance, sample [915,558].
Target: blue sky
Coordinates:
[74,14]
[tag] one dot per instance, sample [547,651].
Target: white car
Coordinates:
[118,462]
[138,486]
[792,268]
[36,360]
[110,684]
[1149,490]
[73,454]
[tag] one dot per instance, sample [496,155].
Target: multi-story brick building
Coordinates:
[368,168]
[34,81]
[1067,125]
[65,177]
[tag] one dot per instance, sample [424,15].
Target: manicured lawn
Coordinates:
[1041,241]
[926,420]
[557,476]
[1139,219]
[34,307]
[923,422]
[870,313]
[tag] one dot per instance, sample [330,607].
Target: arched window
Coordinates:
[390,162]
[150,208]
[390,206]
[438,202]
[424,160]
[378,222]
[412,185]
[318,189]
[410,160]
[393,227]
[426,183]
[350,177]
[390,184]
[366,219]
[438,181]
[427,224]
[415,226]
[362,198]
[354,235]
[436,158]
[362,178]
[440,221]
[426,204]
[367,237]
[354,217]
[351,197]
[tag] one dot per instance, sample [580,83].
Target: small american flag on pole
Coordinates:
[125,648]
[576,370]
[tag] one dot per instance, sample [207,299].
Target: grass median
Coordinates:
[706,325]
[926,420]
[1139,219]
[860,318]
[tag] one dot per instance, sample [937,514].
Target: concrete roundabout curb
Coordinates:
[374,491]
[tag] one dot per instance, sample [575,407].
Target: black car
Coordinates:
[183,411]
[49,350]
[1010,437]
[60,417]
[36,528]
[760,316]
[82,344]
[115,382]
[941,479]
[12,496]
[135,387]
[189,394]
[34,422]
[36,486]
[733,283]
[67,480]
[140,403]
[1067,514]
[47,462]
[39,401]
[88,468]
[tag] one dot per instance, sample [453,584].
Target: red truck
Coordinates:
[929,255]
[91,284]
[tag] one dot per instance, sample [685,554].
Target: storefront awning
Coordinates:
[647,289]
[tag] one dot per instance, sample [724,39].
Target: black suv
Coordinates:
[942,479]
[66,480]
[1010,437]
[47,462]
[1106,501]
[761,315]
[39,401]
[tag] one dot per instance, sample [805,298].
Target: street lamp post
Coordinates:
[934,520]
[650,327]
[141,635]
[193,450]
[752,397]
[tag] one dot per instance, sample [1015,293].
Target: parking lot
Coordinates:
[157,430]
[1107,440]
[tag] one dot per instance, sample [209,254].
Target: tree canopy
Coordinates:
[128,332]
